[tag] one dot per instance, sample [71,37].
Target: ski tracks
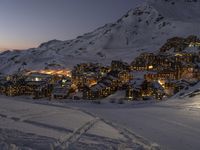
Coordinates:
[75,136]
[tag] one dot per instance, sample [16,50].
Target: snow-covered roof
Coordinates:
[60,91]
[98,87]
[156,85]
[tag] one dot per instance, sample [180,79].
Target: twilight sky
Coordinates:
[27,23]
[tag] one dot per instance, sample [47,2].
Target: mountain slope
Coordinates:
[142,29]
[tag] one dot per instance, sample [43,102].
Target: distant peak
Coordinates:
[46,44]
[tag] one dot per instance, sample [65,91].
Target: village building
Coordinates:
[63,89]
[190,72]
[143,90]
[97,91]
[118,65]
[3,81]
[38,85]
[167,74]
[60,92]
[87,78]
[88,74]
[185,57]
[134,89]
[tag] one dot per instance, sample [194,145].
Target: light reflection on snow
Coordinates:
[193,102]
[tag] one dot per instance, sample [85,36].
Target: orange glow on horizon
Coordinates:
[15,48]
[17,45]
[62,72]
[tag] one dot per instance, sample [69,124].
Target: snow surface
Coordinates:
[26,124]
[144,29]
[172,124]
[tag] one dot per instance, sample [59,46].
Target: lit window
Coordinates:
[37,79]
[150,67]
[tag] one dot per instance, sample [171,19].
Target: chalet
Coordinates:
[87,78]
[179,44]
[106,86]
[3,81]
[190,72]
[88,74]
[149,57]
[133,93]
[140,66]
[11,89]
[157,90]
[80,67]
[37,83]
[86,67]
[62,89]
[163,62]
[41,91]
[111,82]
[118,65]
[104,70]
[10,86]
[185,57]
[151,62]
[176,43]
[124,77]
[164,75]
[142,89]
[97,91]
[152,90]
[192,41]
[134,90]
[60,92]
[194,44]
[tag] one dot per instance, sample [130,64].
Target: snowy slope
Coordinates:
[145,28]
[30,125]
[172,124]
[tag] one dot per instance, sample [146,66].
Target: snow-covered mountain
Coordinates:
[145,28]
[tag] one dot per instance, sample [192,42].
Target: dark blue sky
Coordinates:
[27,23]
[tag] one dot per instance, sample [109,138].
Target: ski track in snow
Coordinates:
[161,122]
[173,124]
[73,136]
[76,135]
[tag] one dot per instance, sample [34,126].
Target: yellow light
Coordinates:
[37,79]
[63,72]
[178,54]
[93,82]
[64,81]
[162,83]
[150,67]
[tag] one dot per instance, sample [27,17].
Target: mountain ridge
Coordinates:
[143,29]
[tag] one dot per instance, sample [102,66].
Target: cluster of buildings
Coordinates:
[37,84]
[150,76]
[176,66]
[172,72]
